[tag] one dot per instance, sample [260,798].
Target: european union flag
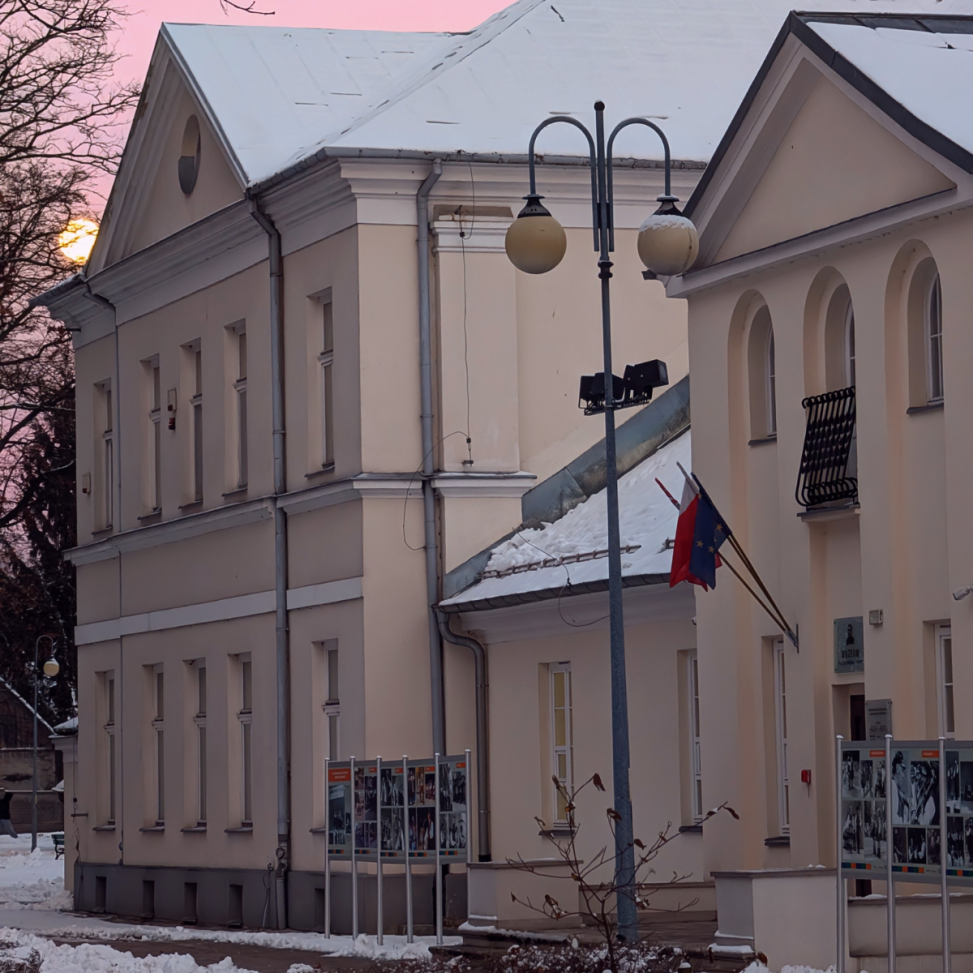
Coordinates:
[708,536]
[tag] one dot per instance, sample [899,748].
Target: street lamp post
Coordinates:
[51,668]
[668,245]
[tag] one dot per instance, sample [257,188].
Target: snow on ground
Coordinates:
[757,967]
[31,880]
[102,959]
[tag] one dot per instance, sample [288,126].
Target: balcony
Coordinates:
[829,462]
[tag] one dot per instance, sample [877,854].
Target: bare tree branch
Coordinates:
[247,8]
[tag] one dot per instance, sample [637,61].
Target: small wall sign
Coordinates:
[849,646]
[878,718]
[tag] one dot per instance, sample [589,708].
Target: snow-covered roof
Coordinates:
[577,543]
[281,96]
[929,73]
[67,727]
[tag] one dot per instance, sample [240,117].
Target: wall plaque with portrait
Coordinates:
[849,646]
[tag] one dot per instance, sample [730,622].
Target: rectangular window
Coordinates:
[696,774]
[944,665]
[109,687]
[158,726]
[240,389]
[200,721]
[780,715]
[934,332]
[105,451]
[332,704]
[326,365]
[197,404]
[245,717]
[155,420]
[561,735]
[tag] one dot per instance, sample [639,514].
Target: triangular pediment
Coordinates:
[147,202]
[835,162]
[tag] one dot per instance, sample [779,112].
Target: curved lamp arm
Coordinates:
[611,196]
[594,165]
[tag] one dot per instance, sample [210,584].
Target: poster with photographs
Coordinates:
[385,811]
[913,789]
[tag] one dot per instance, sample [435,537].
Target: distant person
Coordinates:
[6,827]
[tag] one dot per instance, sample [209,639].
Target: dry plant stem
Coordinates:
[596,899]
[247,8]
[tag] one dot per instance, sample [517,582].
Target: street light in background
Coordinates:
[668,245]
[51,669]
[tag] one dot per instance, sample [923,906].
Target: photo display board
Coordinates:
[359,804]
[917,854]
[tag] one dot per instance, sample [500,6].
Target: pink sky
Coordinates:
[139,31]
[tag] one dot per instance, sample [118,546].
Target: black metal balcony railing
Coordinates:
[828,442]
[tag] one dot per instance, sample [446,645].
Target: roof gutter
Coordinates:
[428,465]
[482,740]
[280,552]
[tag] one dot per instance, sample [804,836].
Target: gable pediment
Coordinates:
[147,202]
[834,163]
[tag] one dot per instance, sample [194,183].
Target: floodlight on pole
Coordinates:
[668,245]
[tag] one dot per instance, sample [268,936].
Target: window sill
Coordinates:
[928,407]
[192,506]
[840,511]
[103,531]
[103,827]
[152,517]
[763,440]
[155,829]
[558,831]
[318,830]
[235,494]
[325,468]
[198,829]
[690,829]
[244,829]
[778,841]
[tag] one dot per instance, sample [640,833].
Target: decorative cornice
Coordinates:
[483,485]
[224,609]
[477,235]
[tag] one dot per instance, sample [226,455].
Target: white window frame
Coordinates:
[567,748]
[201,762]
[245,718]
[111,702]
[771,382]
[695,762]
[934,340]
[106,500]
[849,346]
[155,442]
[240,396]
[159,750]
[945,676]
[781,736]
[326,378]
[332,703]
[196,403]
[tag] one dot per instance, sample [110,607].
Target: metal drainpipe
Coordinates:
[482,741]
[280,553]
[428,449]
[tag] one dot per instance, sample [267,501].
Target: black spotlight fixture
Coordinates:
[635,388]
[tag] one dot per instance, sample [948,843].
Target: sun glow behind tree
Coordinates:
[77,239]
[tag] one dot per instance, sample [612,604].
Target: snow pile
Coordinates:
[647,516]
[757,967]
[31,880]
[30,951]
[364,947]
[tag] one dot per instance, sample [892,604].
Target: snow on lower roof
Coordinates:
[930,74]
[284,95]
[647,520]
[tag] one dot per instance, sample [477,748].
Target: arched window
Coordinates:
[934,340]
[762,372]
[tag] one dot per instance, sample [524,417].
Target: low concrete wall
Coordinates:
[492,883]
[918,926]
[787,914]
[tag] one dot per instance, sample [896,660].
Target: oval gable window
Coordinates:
[189,159]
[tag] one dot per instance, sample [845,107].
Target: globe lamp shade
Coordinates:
[51,668]
[668,244]
[535,242]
